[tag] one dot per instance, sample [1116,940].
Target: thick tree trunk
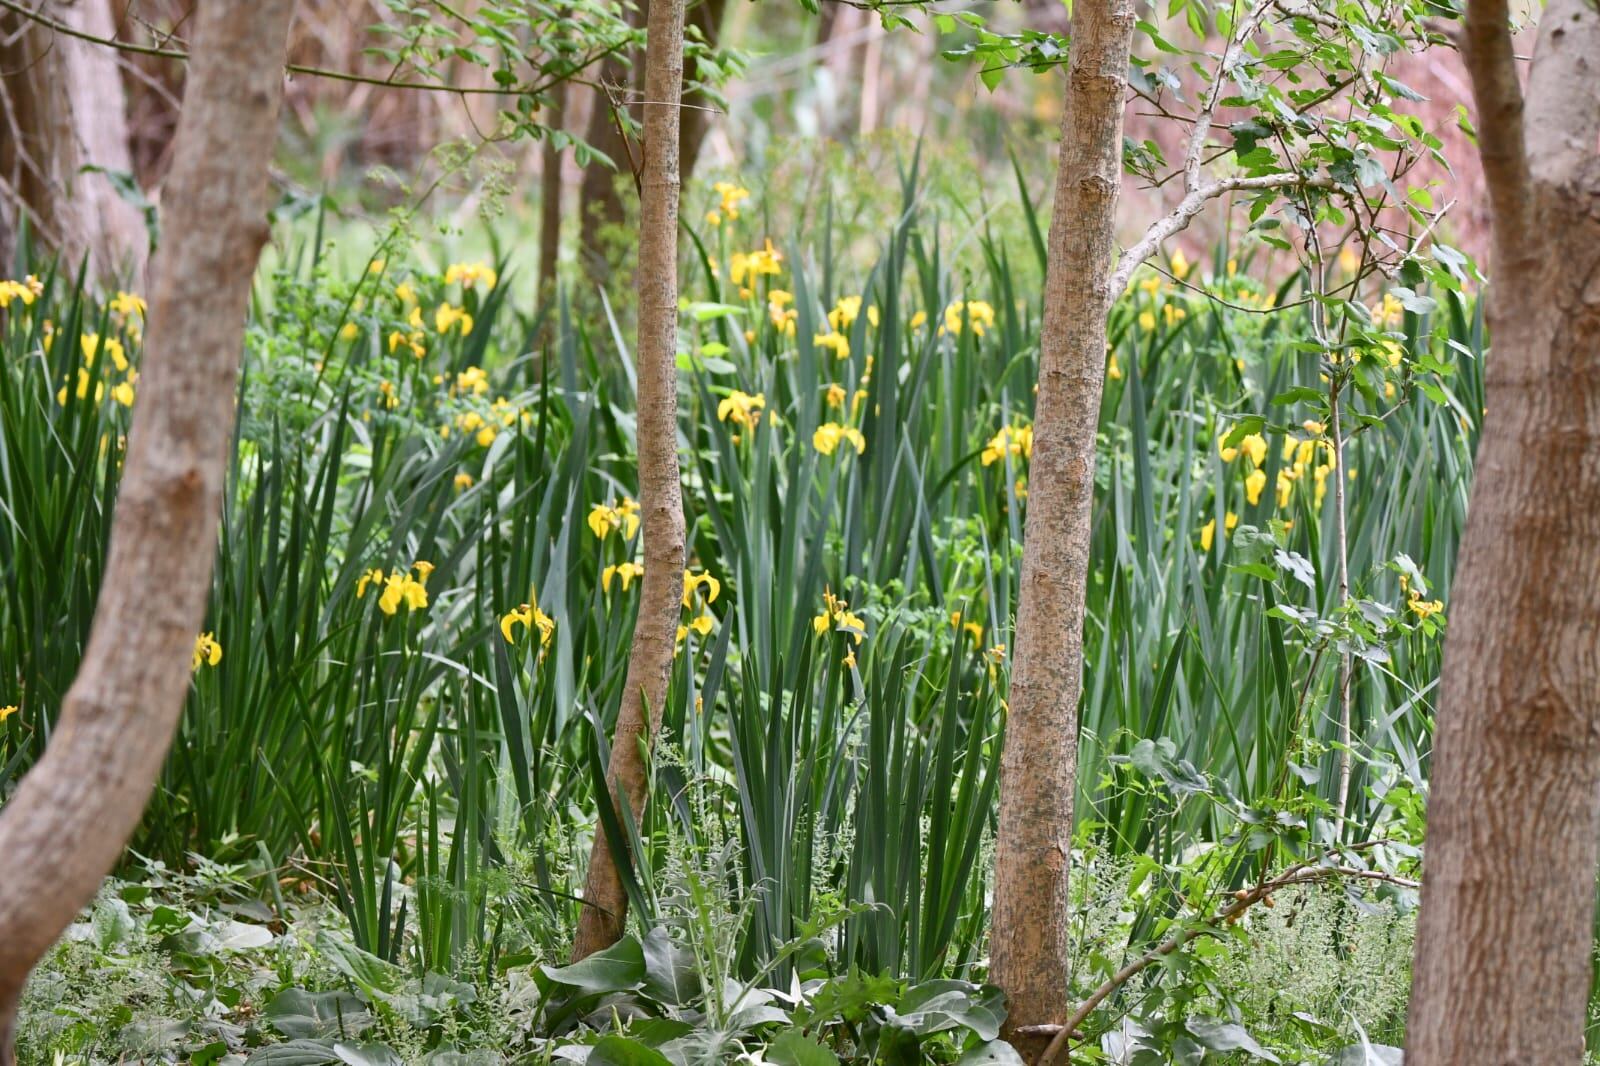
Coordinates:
[644,692]
[550,197]
[1505,934]
[1028,941]
[69,819]
[62,108]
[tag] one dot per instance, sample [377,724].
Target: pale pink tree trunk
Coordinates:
[68,821]
[62,108]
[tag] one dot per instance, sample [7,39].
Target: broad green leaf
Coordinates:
[618,968]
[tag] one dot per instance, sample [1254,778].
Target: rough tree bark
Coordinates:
[1503,950]
[644,692]
[62,108]
[69,819]
[1028,943]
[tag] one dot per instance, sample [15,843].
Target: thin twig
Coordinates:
[1298,874]
[313,72]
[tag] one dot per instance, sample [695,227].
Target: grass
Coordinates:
[825,775]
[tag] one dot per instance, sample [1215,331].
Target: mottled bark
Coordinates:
[1504,940]
[62,108]
[68,821]
[1028,944]
[644,692]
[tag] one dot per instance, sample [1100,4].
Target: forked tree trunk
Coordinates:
[1028,940]
[62,108]
[67,823]
[644,692]
[1505,935]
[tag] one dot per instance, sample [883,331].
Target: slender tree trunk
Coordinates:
[1505,934]
[1028,942]
[644,692]
[550,197]
[706,17]
[62,108]
[70,817]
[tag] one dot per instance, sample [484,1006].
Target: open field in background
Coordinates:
[425,588]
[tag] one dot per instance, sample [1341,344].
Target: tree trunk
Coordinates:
[1505,934]
[62,108]
[706,17]
[70,817]
[1028,941]
[644,692]
[550,196]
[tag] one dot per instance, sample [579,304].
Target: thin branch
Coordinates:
[1497,94]
[1193,203]
[1202,126]
[314,72]
[1201,290]
[1244,899]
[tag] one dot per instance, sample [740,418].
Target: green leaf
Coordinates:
[1299,567]
[370,973]
[1261,570]
[794,1048]
[669,973]
[294,1012]
[367,1055]
[1300,394]
[618,968]
[991,1053]
[624,1051]
[294,1053]
[1218,1035]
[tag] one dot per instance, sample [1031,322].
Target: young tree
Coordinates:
[67,823]
[1028,947]
[644,692]
[1506,930]
[1330,150]
[61,110]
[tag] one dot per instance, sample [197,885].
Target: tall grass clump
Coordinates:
[427,573]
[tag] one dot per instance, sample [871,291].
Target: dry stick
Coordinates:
[313,72]
[1244,899]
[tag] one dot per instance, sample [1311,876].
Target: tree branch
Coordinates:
[1202,125]
[1244,899]
[1192,204]
[57,26]
[1497,95]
